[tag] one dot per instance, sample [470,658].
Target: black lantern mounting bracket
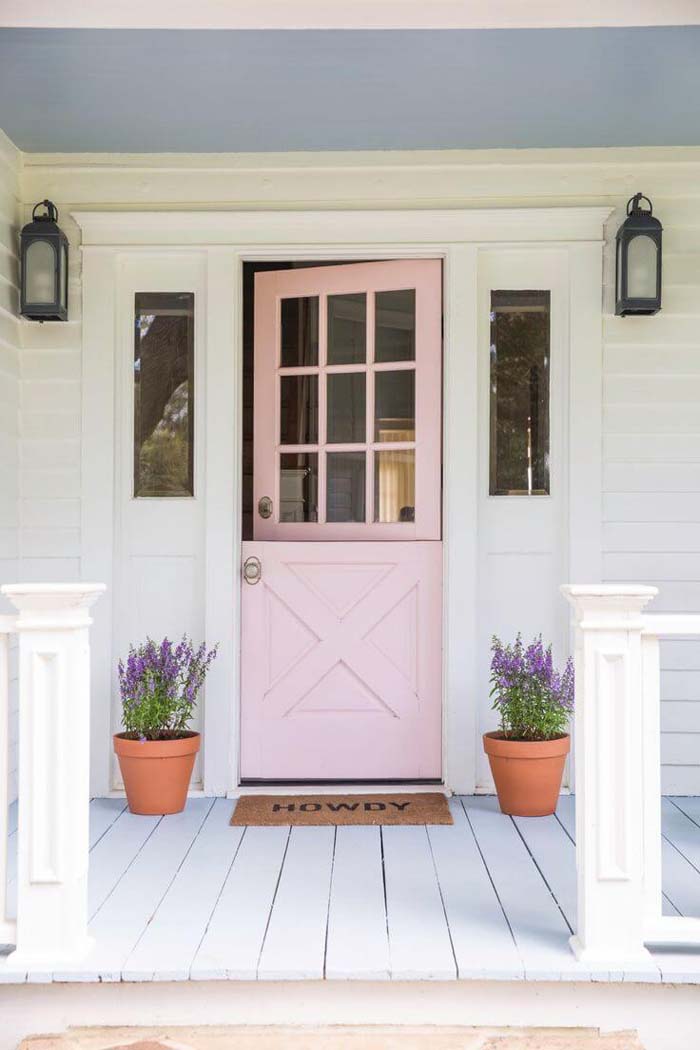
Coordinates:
[44,266]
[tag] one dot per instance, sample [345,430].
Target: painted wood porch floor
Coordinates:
[188,897]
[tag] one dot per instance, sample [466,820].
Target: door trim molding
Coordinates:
[230,238]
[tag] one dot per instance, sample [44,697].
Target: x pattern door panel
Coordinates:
[342,654]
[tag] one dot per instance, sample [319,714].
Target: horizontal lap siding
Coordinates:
[10,394]
[651,497]
[51,451]
[651,500]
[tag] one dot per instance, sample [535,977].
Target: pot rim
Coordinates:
[496,744]
[184,745]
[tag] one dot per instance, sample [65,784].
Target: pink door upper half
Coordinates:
[341,632]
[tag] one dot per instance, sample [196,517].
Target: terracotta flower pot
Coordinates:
[156,773]
[527,773]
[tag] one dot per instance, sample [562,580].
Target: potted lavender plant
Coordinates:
[159,686]
[534,702]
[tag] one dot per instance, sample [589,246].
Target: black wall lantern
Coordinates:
[638,278]
[44,261]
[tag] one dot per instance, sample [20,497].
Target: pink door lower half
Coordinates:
[342,662]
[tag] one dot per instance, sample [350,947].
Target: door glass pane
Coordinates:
[299,486]
[164,394]
[395,406]
[299,332]
[346,407]
[394,486]
[299,410]
[347,329]
[519,425]
[345,486]
[395,326]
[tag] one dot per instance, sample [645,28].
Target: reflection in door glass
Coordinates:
[345,486]
[164,394]
[395,406]
[299,335]
[395,326]
[345,395]
[298,410]
[299,486]
[394,486]
[347,329]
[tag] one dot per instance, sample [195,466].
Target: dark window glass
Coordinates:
[299,334]
[346,407]
[299,410]
[345,486]
[299,486]
[164,394]
[395,405]
[519,453]
[347,329]
[395,326]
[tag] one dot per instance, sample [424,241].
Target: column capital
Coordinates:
[609,605]
[52,605]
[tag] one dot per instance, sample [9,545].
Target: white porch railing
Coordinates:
[617,743]
[53,785]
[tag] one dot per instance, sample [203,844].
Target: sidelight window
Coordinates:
[164,394]
[519,393]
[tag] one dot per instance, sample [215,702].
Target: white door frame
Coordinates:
[229,238]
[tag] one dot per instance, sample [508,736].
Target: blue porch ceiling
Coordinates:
[138,91]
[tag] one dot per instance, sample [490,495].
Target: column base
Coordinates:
[639,963]
[46,960]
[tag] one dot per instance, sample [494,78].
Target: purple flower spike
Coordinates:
[533,699]
[159,685]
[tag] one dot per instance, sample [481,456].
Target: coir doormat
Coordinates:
[429,807]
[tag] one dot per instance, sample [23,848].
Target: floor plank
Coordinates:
[419,940]
[690,806]
[169,943]
[231,946]
[683,832]
[295,942]
[540,931]
[131,905]
[103,813]
[481,938]
[555,855]
[113,854]
[358,944]
[566,814]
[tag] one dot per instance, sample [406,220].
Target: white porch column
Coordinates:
[54,760]
[609,771]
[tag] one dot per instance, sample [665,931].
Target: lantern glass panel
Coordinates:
[641,268]
[63,279]
[40,270]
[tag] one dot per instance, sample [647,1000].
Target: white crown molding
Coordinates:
[346,14]
[310,228]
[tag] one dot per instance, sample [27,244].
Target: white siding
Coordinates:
[10,342]
[651,498]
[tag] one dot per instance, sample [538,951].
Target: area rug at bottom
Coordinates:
[428,807]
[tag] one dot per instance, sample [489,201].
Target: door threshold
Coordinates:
[334,787]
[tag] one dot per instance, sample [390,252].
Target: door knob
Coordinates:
[252,570]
